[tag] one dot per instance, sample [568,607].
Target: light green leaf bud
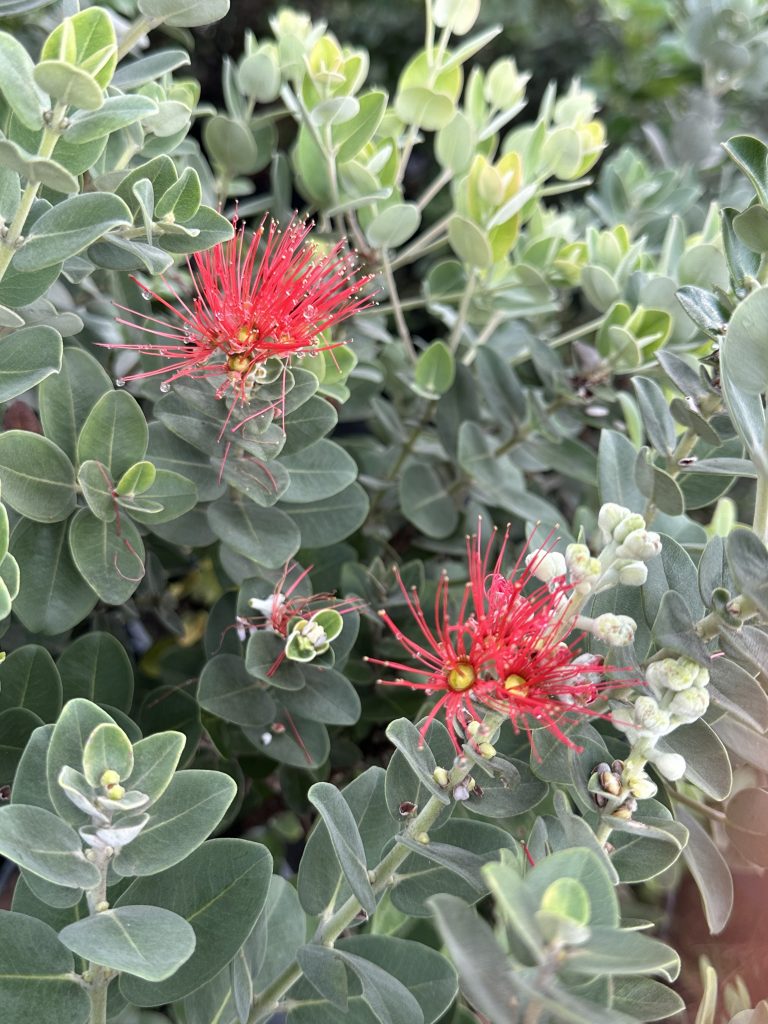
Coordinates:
[689,705]
[639,543]
[633,522]
[546,565]
[609,517]
[671,766]
[504,84]
[650,719]
[633,575]
[615,630]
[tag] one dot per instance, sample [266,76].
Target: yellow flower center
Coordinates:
[461,677]
[238,363]
[514,684]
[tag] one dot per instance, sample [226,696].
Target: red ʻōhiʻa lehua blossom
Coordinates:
[252,303]
[503,651]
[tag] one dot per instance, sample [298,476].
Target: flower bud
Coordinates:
[582,566]
[671,766]
[675,674]
[640,785]
[650,719]
[633,575]
[546,565]
[609,517]
[440,775]
[634,521]
[640,543]
[109,777]
[689,705]
[615,630]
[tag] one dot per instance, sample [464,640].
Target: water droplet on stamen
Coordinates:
[146,295]
[120,382]
[165,387]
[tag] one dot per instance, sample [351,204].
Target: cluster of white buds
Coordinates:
[679,696]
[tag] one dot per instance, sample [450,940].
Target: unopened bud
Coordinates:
[460,792]
[650,719]
[639,784]
[633,522]
[671,766]
[423,838]
[116,792]
[675,674]
[582,567]
[546,565]
[102,906]
[486,750]
[633,575]
[611,783]
[609,517]
[640,543]
[109,778]
[440,775]
[689,705]
[615,630]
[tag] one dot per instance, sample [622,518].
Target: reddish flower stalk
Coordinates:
[284,604]
[249,308]
[501,653]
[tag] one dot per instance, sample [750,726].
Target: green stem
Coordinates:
[266,1003]
[577,332]
[496,320]
[760,518]
[416,248]
[98,994]
[8,243]
[139,28]
[432,190]
[394,298]
[405,451]
[461,316]
[603,833]
[696,805]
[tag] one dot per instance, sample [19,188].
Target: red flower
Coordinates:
[249,308]
[503,652]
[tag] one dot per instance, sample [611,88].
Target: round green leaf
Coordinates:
[327,522]
[425,502]
[110,558]
[469,242]
[37,981]
[299,742]
[67,398]
[95,666]
[220,889]
[318,472]
[137,479]
[326,697]
[394,225]
[147,942]
[175,495]
[17,83]
[29,679]
[96,485]
[107,749]
[264,534]
[65,750]
[42,843]
[69,227]
[27,357]
[435,370]
[16,726]
[744,351]
[38,478]
[68,85]
[115,433]
[154,762]
[226,689]
[185,13]
[53,596]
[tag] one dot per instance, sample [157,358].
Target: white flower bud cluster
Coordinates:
[614,630]
[679,696]
[629,545]
[546,565]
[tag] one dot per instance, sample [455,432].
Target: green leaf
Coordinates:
[674,628]
[107,749]
[69,227]
[394,225]
[584,866]
[751,156]
[296,741]
[87,40]
[645,999]
[313,420]
[67,398]
[42,843]
[96,667]
[146,942]
[326,522]
[425,502]
[36,168]
[325,697]
[154,762]
[265,535]
[182,199]
[227,689]
[404,735]
[265,659]
[748,562]
[185,13]
[707,763]
[29,679]
[167,451]
[182,818]
[220,890]
[16,727]
[744,351]
[747,824]
[346,841]
[96,485]
[37,980]
[175,493]
[354,134]
[435,370]
[610,951]
[469,242]
[282,929]
[27,357]
[68,85]
[115,433]
[53,597]
[38,478]
[318,472]
[17,83]
[710,870]
[115,112]
[70,734]
[207,226]
[111,560]
[321,882]
[659,425]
